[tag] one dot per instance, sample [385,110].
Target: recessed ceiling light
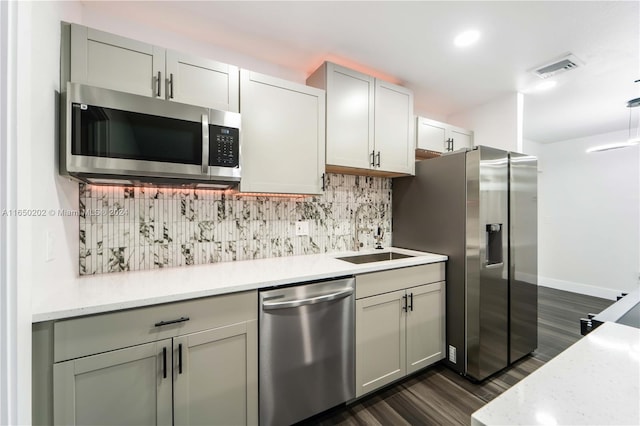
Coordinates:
[546,85]
[466,38]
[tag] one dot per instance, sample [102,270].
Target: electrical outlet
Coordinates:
[302,228]
[452,354]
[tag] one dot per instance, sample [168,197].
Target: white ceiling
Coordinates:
[412,42]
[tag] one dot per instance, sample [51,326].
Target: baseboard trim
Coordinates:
[589,290]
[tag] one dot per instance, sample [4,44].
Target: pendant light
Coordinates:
[634,103]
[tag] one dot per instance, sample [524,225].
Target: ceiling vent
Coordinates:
[566,63]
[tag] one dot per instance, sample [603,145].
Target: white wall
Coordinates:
[8,284]
[532,148]
[497,124]
[38,185]
[589,216]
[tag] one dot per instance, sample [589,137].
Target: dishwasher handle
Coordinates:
[310,301]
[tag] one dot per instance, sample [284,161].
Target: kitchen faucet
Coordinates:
[379,233]
[356,241]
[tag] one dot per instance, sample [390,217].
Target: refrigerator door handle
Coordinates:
[488,265]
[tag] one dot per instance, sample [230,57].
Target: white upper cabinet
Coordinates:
[199,81]
[350,126]
[283,135]
[393,128]
[369,122]
[460,138]
[432,135]
[114,62]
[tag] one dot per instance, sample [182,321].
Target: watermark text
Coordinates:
[64,212]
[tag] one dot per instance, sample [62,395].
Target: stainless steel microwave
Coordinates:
[121,138]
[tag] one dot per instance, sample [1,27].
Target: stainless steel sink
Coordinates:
[374,257]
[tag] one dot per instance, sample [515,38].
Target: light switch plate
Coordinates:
[302,228]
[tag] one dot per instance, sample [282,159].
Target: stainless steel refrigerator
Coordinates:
[478,207]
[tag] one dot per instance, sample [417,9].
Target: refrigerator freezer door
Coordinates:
[487,285]
[523,271]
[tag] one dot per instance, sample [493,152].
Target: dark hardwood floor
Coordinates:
[439,396]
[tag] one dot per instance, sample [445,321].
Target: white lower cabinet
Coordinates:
[380,341]
[400,331]
[212,385]
[120,387]
[195,378]
[425,326]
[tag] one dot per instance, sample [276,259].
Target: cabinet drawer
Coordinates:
[89,335]
[398,279]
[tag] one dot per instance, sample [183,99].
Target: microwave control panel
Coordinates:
[224,146]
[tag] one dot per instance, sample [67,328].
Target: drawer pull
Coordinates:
[175,321]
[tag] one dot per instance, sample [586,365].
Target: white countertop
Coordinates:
[596,381]
[123,290]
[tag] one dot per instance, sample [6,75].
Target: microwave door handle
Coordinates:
[205,144]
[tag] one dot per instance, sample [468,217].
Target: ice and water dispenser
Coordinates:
[494,244]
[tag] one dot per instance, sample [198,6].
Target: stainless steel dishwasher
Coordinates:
[307,350]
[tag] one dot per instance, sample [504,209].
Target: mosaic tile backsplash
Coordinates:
[128,229]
